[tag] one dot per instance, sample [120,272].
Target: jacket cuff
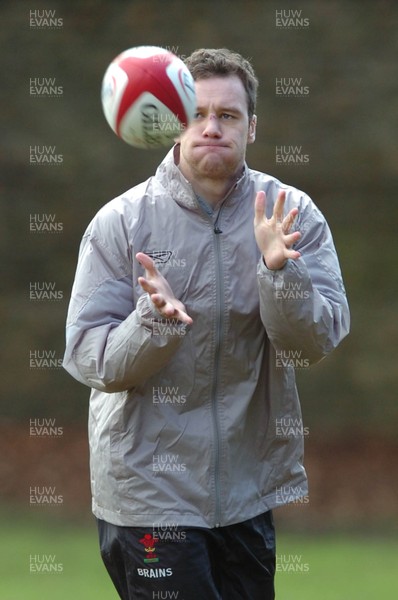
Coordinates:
[264,271]
[146,310]
[293,276]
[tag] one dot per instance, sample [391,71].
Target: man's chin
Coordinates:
[215,171]
[217,166]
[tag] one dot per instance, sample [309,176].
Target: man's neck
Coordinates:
[213,191]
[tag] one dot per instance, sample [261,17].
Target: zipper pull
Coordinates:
[217,229]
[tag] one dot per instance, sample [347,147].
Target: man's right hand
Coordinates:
[160,292]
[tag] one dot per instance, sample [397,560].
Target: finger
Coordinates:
[259,205]
[147,262]
[289,220]
[291,238]
[159,300]
[279,207]
[293,254]
[184,317]
[147,286]
[174,312]
[168,310]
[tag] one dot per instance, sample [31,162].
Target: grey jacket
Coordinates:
[200,425]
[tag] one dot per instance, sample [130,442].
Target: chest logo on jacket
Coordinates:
[160,257]
[170,258]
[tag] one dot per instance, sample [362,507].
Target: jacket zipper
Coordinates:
[219,339]
[215,386]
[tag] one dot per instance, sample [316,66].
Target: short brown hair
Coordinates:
[209,62]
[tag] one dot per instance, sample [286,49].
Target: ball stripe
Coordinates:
[141,80]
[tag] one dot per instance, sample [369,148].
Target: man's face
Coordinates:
[214,145]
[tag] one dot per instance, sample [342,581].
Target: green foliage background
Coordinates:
[347,124]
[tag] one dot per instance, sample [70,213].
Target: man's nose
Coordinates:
[212,127]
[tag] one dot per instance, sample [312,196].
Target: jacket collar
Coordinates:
[180,188]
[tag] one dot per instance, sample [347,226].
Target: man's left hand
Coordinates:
[272,235]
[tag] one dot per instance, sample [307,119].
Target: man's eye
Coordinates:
[226,116]
[198,115]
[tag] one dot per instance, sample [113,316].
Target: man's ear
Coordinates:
[251,136]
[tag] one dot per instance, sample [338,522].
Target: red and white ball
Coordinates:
[148,96]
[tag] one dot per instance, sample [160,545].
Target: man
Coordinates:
[183,322]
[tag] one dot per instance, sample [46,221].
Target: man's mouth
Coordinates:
[211,145]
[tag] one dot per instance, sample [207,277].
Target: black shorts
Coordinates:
[236,562]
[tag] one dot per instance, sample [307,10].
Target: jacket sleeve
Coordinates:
[303,306]
[112,344]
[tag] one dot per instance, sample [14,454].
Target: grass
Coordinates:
[73,549]
[338,567]
[332,567]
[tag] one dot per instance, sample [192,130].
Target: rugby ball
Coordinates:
[148,96]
